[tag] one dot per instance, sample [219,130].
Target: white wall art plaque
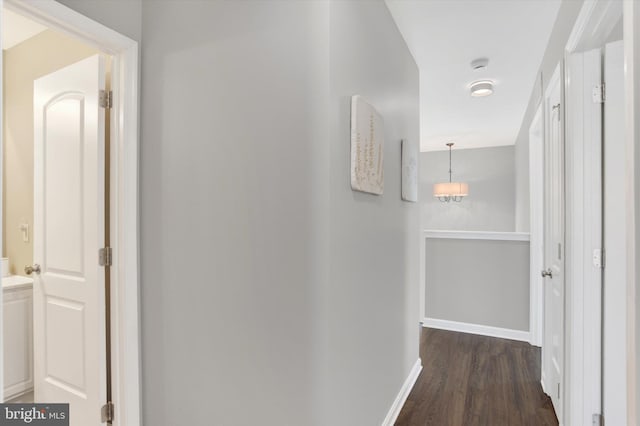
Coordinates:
[367,147]
[409,171]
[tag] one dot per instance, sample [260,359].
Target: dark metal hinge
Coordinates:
[105,256]
[106,99]
[107,412]
[598,420]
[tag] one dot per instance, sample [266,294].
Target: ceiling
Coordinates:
[16,29]
[444,36]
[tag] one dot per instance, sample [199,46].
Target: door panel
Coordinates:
[69,304]
[553,345]
[62,173]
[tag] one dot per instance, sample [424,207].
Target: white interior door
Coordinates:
[553,343]
[614,315]
[69,302]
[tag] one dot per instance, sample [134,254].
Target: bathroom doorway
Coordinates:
[57,180]
[56,199]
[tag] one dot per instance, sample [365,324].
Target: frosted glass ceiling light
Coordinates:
[481,88]
[450,191]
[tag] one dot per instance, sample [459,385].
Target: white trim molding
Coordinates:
[631,17]
[583,151]
[477,235]
[401,398]
[536,226]
[479,329]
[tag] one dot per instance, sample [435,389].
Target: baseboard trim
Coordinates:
[394,412]
[483,330]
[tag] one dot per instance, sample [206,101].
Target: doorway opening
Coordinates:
[69,170]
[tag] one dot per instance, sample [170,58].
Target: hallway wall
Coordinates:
[233,157]
[567,15]
[372,299]
[490,173]
[244,174]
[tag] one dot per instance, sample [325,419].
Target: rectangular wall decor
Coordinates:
[367,147]
[409,171]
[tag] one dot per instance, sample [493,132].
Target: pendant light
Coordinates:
[450,191]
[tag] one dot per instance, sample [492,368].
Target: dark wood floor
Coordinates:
[470,380]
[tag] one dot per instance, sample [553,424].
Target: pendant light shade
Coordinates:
[450,191]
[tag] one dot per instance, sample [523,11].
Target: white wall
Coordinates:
[483,282]
[567,15]
[372,296]
[490,173]
[233,97]
[260,268]
[124,16]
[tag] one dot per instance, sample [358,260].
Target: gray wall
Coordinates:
[231,113]
[567,15]
[490,173]
[372,296]
[244,174]
[478,281]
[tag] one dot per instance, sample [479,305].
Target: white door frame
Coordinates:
[536,226]
[631,16]
[584,220]
[614,321]
[125,338]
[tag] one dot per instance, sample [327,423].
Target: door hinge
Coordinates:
[556,107]
[599,258]
[598,420]
[107,412]
[106,98]
[105,256]
[558,390]
[599,93]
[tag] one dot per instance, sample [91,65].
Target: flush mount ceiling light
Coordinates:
[481,88]
[450,191]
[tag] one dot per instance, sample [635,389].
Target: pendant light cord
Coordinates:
[450,144]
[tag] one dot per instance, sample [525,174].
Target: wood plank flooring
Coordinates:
[470,380]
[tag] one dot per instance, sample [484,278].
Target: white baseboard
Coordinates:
[483,330]
[394,412]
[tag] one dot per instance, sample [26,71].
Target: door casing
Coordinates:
[583,395]
[536,246]
[614,377]
[125,325]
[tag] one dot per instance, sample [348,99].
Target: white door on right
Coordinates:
[614,347]
[554,293]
